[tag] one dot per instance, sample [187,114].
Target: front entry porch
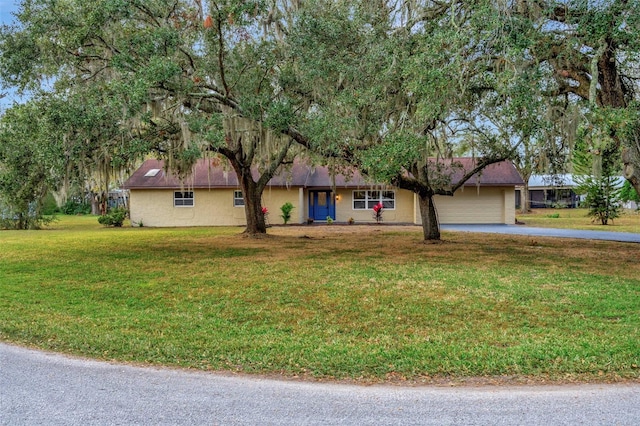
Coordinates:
[322,205]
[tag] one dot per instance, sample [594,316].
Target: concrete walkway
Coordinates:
[39,388]
[626,237]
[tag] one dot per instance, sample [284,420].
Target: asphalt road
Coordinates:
[38,388]
[547,232]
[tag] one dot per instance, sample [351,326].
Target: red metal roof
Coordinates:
[207,174]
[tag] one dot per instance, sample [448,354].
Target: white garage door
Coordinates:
[485,205]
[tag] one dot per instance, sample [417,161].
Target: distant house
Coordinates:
[211,196]
[557,191]
[551,191]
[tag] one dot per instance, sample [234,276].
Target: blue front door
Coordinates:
[322,204]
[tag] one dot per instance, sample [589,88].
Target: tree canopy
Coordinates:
[395,88]
[25,167]
[587,54]
[399,88]
[188,78]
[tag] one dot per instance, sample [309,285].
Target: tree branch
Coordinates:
[221,52]
[487,161]
[146,11]
[273,165]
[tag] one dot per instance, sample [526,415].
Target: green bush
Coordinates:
[628,193]
[10,219]
[49,206]
[28,216]
[601,198]
[115,218]
[73,207]
[286,212]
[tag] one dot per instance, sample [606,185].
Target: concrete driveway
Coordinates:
[39,388]
[546,232]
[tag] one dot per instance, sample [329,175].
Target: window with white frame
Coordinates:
[238,199]
[183,199]
[366,200]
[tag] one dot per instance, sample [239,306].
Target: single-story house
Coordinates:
[550,191]
[212,196]
[557,191]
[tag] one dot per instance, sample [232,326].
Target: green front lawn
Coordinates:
[629,220]
[364,303]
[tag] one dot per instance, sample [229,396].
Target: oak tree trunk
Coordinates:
[430,223]
[524,199]
[631,165]
[612,94]
[252,195]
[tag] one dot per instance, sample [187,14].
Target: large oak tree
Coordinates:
[192,77]
[399,88]
[394,88]
[587,53]
[398,83]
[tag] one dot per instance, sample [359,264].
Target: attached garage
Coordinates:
[476,206]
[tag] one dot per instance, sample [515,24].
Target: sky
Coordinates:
[6,7]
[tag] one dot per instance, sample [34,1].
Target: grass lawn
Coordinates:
[629,220]
[360,303]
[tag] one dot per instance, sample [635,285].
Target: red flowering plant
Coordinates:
[377,212]
[265,211]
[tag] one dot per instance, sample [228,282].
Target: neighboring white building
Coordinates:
[553,191]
